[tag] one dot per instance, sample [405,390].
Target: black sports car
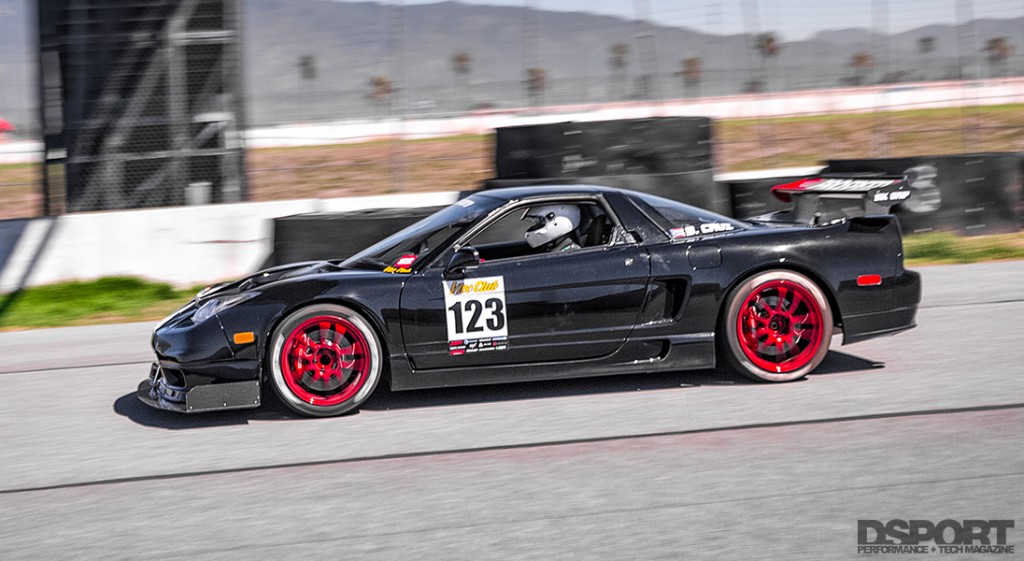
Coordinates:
[549,282]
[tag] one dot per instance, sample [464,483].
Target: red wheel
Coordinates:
[325,360]
[778,326]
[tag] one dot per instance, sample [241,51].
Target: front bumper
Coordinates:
[160,392]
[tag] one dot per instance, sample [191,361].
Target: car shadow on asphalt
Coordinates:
[839,363]
[384,399]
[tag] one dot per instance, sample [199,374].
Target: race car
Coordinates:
[548,282]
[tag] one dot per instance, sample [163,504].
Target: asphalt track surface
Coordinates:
[925,425]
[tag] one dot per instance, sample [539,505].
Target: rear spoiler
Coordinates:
[832,198]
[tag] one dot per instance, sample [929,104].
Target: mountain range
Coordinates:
[414,45]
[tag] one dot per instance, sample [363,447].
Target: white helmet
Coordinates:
[553,222]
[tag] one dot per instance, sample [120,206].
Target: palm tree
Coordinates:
[618,63]
[462,66]
[767,45]
[461,63]
[691,74]
[380,91]
[925,46]
[307,75]
[536,82]
[999,50]
[862,64]
[307,67]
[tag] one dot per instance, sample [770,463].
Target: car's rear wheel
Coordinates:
[777,327]
[325,360]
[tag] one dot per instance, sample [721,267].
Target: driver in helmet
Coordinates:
[555,227]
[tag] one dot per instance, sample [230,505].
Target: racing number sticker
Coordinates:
[476,315]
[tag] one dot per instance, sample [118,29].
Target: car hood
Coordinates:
[306,269]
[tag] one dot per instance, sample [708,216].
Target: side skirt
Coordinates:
[681,352]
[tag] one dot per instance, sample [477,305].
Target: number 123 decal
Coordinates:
[475,309]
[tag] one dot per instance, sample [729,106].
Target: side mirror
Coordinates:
[464,258]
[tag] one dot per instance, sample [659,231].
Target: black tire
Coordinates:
[787,327]
[334,360]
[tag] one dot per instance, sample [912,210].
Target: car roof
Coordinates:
[513,193]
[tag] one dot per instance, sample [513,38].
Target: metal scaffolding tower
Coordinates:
[141,103]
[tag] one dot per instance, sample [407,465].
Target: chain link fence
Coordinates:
[331,99]
[350,80]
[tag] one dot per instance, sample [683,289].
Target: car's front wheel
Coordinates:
[324,360]
[777,327]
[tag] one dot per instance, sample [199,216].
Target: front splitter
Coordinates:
[210,397]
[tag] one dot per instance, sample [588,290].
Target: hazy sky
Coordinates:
[793,19]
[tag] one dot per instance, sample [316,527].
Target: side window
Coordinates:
[681,220]
[544,228]
[509,228]
[669,214]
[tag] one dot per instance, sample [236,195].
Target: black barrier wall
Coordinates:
[1020,201]
[671,157]
[604,148]
[319,236]
[967,193]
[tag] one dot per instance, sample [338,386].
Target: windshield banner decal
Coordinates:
[402,265]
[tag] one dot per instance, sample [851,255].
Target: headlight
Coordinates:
[217,305]
[173,315]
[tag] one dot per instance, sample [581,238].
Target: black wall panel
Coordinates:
[968,193]
[604,148]
[319,236]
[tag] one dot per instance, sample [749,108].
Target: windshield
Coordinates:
[423,239]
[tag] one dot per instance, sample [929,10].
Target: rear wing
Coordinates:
[832,198]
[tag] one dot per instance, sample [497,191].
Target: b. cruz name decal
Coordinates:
[707,228]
